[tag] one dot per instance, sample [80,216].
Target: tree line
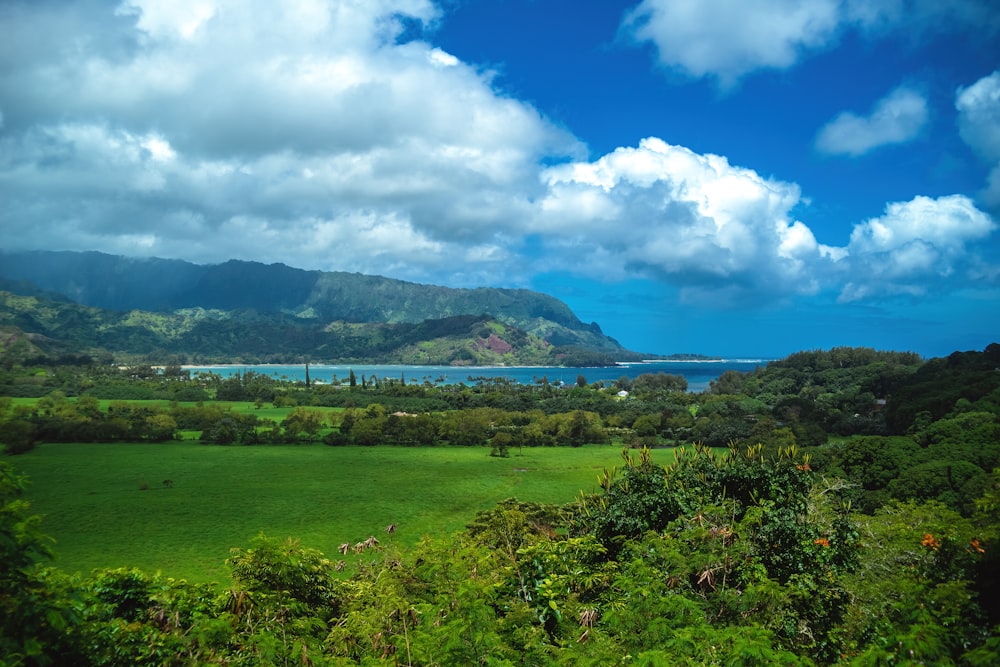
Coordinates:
[895,426]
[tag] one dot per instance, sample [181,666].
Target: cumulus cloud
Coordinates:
[979,125]
[221,128]
[724,234]
[689,219]
[895,119]
[313,133]
[728,39]
[915,247]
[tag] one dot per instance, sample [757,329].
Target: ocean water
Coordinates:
[697,373]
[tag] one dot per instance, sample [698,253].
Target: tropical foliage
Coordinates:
[748,559]
[852,520]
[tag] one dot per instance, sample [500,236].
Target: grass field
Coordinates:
[94,504]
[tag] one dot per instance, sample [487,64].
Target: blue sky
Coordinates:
[742,178]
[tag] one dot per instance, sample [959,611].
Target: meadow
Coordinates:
[178,508]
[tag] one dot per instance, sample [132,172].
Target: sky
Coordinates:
[743,178]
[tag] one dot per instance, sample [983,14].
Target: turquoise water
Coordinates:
[697,373]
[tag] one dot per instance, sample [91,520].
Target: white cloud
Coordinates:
[442,58]
[723,233]
[946,222]
[979,125]
[176,18]
[243,123]
[915,247]
[691,220]
[728,39]
[305,133]
[895,119]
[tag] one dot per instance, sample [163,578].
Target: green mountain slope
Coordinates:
[200,335]
[157,285]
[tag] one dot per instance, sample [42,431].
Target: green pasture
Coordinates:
[108,506]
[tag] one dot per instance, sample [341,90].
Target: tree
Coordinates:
[160,427]
[730,382]
[469,428]
[369,429]
[646,425]
[36,622]
[285,568]
[17,435]
[233,428]
[500,444]
[411,430]
[636,499]
[578,428]
[303,424]
[658,382]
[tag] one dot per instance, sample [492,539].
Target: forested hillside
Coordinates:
[165,286]
[852,519]
[37,327]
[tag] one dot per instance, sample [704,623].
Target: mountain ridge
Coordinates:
[117,282]
[275,298]
[33,327]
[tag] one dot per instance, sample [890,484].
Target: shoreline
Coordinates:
[620,364]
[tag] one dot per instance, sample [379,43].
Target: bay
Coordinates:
[698,373]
